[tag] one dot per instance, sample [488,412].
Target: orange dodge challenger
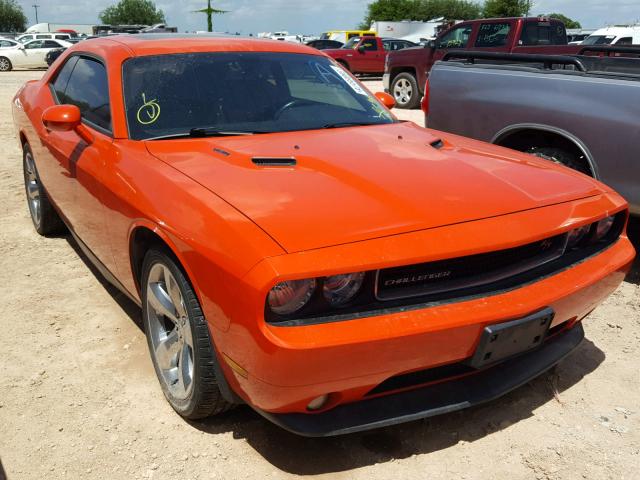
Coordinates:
[295,247]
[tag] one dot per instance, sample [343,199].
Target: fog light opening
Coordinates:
[318,403]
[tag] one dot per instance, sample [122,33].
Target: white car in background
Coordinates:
[29,55]
[43,36]
[621,36]
[8,43]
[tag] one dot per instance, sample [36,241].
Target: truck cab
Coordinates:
[406,71]
[367,54]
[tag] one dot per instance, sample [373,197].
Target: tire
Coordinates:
[563,157]
[5,64]
[44,217]
[178,338]
[405,91]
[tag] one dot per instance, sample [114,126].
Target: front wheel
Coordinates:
[44,217]
[178,338]
[5,64]
[404,89]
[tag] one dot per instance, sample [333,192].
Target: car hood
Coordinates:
[353,184]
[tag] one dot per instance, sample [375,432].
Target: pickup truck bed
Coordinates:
[578,110]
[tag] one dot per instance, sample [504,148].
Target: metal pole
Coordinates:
[36,9]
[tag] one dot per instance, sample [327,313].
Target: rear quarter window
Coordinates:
[543,33]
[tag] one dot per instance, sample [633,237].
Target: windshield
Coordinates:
[353,41]
[253,92]
[599,40]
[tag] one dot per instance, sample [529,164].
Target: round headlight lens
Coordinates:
[339,289]
[575,236]
[290,296]
[604,227]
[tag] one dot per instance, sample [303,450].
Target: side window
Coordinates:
[625,41]
[543,33]
[51,44]
[60,83]
[34,44]
[88,89]
[493,34]
[61,37]
[370,45]
[43,36]
[387,45]
[5,43]
[456,38]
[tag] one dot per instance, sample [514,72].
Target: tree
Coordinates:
[420,10]
[506,8]
[210,12]
[12,18]
[568,22]
[132,12]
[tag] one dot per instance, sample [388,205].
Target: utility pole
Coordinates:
[210,12]
[36,9]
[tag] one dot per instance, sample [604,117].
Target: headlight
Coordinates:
[575,236]
[604,227]
[290,296]
[339,289]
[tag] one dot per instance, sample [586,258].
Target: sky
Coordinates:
[303,16]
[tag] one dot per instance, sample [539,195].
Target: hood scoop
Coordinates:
[274,161]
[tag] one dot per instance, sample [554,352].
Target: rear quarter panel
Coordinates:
[600,112]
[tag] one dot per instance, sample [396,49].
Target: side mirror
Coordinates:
[21,47]
[65,118]
[361,49]
[386,99]
[431,44]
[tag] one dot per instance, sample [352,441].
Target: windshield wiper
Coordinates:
[348,124]
[205,132]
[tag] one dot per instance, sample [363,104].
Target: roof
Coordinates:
[166,43]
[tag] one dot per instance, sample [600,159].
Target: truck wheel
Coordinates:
[5,64]
[179,341]
[563,157]
[405,90]
[45,219]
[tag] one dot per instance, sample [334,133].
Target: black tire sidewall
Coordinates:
[189,407]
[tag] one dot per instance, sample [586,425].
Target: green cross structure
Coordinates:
[210,12]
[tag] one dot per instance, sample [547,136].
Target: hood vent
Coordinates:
[274,161]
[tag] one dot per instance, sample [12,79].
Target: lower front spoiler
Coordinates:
[445,397]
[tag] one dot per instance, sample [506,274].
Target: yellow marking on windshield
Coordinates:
[149,112]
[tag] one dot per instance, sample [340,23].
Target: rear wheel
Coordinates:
[563,157]
[404,89]
[178,339]
[45,219]
[5,64]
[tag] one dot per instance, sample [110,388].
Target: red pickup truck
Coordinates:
[367,54]
[406,71]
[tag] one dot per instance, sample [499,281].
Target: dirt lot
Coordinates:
[79,398]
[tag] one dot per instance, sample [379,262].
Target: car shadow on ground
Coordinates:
[313,456]
[3,474]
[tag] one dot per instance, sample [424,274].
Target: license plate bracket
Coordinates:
[503,340]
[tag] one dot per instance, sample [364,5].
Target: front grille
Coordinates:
[465,272]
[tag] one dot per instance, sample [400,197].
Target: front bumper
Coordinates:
[433,400]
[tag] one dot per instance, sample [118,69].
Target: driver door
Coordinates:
[33,54]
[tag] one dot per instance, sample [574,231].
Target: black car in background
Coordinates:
[52,55]
[324,44]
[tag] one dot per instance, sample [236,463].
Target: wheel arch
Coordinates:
[513,132]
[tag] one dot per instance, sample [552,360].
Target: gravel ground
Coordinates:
[79,398]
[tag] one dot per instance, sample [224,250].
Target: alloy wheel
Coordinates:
[402,91]
[170,331]
[5,66]
[33,188]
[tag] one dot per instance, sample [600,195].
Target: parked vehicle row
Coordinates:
[31,54]
[295,247]
[405,72]
[580,111]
